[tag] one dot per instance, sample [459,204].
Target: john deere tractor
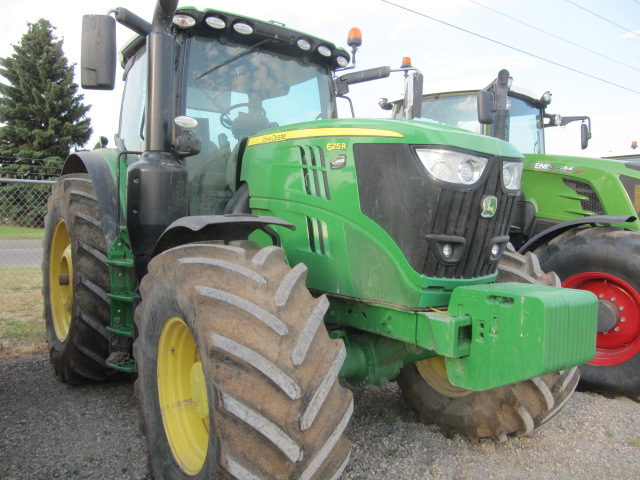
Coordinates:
[578,214]
[241,249]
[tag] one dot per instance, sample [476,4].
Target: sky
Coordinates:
[592,69]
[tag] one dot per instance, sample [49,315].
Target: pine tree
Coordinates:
[43,118]
[42,112]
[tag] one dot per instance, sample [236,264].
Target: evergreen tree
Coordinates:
[42,112]
[42,118]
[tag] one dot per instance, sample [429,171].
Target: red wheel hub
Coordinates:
[622,341]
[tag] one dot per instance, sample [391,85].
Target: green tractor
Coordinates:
[578,214]
[241,250]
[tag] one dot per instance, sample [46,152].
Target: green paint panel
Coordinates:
[544,183]
[346,252]
[521,331]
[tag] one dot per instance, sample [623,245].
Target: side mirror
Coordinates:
[585,135]
[486,101]
[98,53]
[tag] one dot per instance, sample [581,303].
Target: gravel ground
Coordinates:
[50,430]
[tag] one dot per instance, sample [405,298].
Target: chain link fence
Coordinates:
[23,205]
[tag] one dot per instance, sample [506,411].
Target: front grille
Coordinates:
[591,202]
[398,194]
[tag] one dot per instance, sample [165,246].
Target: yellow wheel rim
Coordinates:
[182,392]
[61,280]
[434,371]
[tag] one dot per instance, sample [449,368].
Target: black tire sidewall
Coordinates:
[592,250]
[606,250]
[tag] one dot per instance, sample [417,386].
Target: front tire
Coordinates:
[605,261]
[76,282]
[236,371]
[498,413]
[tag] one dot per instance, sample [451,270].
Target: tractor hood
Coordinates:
[412,132]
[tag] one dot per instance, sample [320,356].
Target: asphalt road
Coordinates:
[21,252]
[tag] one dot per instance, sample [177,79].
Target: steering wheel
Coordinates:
[225,119]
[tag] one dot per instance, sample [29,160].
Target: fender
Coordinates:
[552,232]
[104,185]
[235,226]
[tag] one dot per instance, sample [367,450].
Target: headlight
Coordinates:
[511,175]
[451,166]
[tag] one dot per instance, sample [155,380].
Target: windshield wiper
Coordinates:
[233,59]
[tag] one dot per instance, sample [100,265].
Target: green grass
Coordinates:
[636,442]
[22,329]
[389,418]
[20,232]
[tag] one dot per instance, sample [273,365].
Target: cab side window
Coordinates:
[132,116]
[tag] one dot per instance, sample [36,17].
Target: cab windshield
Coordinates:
[460,110]
[235,91]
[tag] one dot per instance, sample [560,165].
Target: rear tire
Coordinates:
[605,261]
[76,282]
[237,375]
[510,410]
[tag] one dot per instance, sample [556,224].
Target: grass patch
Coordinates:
[389,418]
[20,232]
[636,442]
[22,329]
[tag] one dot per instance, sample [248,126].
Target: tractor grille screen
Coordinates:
[397,193]
[591,203]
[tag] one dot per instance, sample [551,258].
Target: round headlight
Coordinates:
[184,21]
[342,61]
[304,44]
[243,28]
[324,51]
[215,22]
[441,170]
[469,171]
[511,175]
[447,250]
[507,176]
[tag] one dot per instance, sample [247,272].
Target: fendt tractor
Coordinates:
[241,249]
[578,214]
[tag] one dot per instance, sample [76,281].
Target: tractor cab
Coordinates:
[526,119]
[235,83]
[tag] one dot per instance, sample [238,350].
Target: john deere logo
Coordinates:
[489,206]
